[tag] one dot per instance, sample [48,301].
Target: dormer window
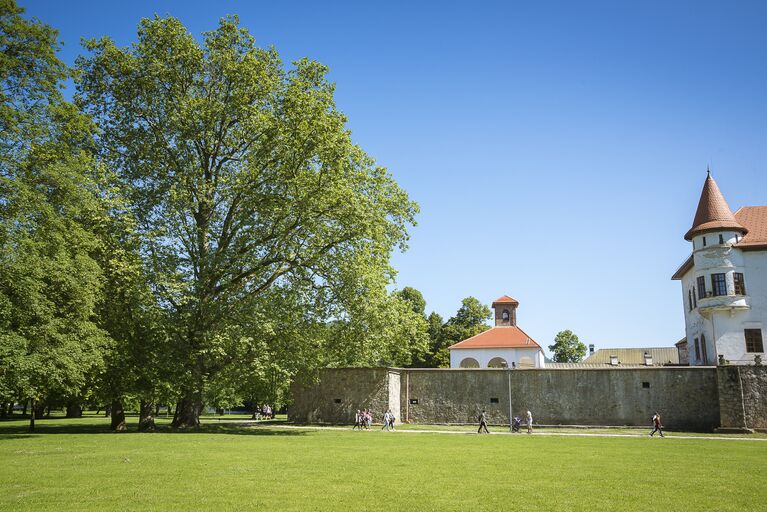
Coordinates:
[505,315]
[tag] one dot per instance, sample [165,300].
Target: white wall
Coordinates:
[722,319]
[484,355]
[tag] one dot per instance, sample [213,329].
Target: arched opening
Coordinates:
[497,362]
[526,362]
[505,315]
[469,362]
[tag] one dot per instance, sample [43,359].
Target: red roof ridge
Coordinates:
[491,338]
[505,299]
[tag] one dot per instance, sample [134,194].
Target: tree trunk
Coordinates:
[188,412]
[118,417]
[145,419]
[74,410]
[38,410]
[31,417]
[24,410]
[156,410]
[3,410]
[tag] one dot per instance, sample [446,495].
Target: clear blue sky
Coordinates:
[557,149]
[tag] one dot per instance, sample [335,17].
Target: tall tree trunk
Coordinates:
[145,418]
[118,417]
[3,410]
[24,410]
[156,410]
[74,410]
[32,417]
[188,412]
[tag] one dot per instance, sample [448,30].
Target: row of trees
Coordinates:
[195,227]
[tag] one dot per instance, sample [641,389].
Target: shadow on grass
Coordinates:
[20,430]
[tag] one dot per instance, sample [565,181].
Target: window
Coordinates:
[645,385]
[689,298]
[493,400]
[697,349]
[718,285]
[505,315]
[740,284]
[703,348]
[694,300]
[737,238]
[704,241]
[721,239]
[701,287]
[753,340]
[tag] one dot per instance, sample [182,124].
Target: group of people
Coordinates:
[364,418]
[263,412]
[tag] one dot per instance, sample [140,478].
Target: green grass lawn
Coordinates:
[79,465]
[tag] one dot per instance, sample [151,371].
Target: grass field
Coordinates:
[79,465]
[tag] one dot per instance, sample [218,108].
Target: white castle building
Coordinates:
[503,346]
[724,281]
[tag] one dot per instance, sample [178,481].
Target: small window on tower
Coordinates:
[505,315]
[701,287]
[694,298]
[704,241]
[740,283]
[721,238]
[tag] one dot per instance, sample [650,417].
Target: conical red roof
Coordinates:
[713,212]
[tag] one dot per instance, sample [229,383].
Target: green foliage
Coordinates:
[414,298]
[50,208]
[243,177]
[567,348]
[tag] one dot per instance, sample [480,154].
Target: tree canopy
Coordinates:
[242,177]
[567,348]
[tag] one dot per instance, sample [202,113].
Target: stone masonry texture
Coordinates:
[686,397]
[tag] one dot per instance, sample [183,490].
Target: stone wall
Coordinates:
[743,397]
[341,391]
[686,397]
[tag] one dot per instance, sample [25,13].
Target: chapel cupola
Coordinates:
[505,311]
[713,213]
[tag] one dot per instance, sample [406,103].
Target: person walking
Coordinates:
[529,423]
[482,423]
[386,421]
[357,421]
[658,426]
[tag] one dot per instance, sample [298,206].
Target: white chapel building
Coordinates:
[724,281]
[502,346]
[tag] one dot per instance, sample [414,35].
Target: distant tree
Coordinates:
[567,348]
[468,321]
[414,298]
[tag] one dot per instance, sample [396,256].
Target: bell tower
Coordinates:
[505,311]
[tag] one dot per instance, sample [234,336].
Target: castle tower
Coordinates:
[505,311]
[721,281]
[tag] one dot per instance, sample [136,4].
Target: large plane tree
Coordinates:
[243,177]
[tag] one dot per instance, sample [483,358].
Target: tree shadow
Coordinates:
[50,427]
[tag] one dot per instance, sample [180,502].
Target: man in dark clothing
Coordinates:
[482,423]
[657,424]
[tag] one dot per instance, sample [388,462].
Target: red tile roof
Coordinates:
[505,299]
[754,218]
[499,337]
[713,212]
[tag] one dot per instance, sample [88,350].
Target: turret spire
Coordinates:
[713,211]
